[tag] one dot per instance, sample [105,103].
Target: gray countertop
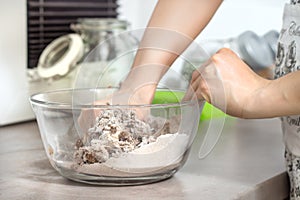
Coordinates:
[247,163]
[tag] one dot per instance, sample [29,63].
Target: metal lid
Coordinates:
[254,50]
[60,56]
[272,38]
[99,24]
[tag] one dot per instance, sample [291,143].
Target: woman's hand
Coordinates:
[228,83]
[125,96]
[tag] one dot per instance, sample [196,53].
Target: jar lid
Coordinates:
[255,50]
[60,56]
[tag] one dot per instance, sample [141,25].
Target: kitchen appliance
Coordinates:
[14,103]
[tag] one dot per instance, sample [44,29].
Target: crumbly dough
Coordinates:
[117,132]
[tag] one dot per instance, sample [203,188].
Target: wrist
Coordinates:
[142,81]
[141,93]
[259,103]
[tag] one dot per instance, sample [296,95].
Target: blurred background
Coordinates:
[29,26]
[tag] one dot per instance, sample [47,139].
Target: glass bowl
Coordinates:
[116,144]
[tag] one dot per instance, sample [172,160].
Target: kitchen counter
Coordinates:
[247,163]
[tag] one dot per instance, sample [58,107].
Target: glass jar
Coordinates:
[104,63]
[80,59]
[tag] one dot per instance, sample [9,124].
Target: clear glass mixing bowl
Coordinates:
[119,144]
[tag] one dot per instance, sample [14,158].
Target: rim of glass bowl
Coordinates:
[34,99]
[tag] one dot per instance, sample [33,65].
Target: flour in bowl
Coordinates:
[121,144]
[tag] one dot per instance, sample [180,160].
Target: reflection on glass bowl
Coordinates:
[118,145]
